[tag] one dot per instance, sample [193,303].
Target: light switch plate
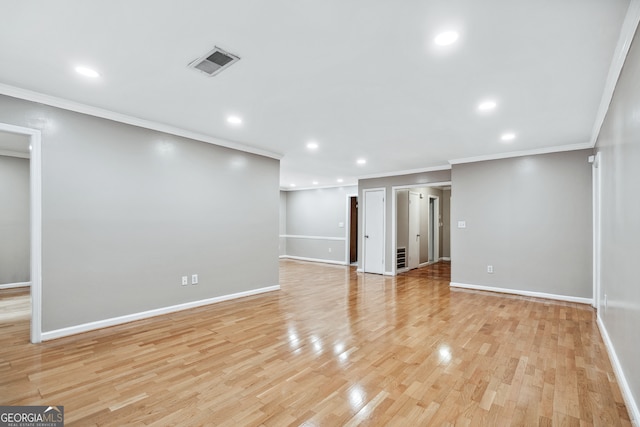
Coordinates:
[462,224]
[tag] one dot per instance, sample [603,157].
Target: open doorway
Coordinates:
[352,231]
[20,221]
[420,225]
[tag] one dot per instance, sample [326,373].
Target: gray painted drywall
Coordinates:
[127,211]
[445,236]
[14,220]
[387,183]
[282,245]
[529,217]
[619,147]
[317,213]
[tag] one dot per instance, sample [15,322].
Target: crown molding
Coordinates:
[536,151]
[627,32]
[319,187]
[406,172]
[78,107]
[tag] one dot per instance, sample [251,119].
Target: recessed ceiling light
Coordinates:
[315,182]
[234,120]
[487,105]
[446,38]
[361,161]
[87,72]
[292,185]
[509,136]
[340,180]
[312,145]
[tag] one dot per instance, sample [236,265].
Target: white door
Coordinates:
[373,231]
[414,230]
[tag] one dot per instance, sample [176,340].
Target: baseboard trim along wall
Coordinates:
[627,395]
[302,258]
[15,285]
[579,300]
[91,326]
[445,258]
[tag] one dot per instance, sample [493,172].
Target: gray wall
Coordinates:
[529,217]
[127,211]
[283,224]
[619,146]
[14,220]
[445,241]
[317,213]
[387,183]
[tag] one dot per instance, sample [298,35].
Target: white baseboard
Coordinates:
[445,258]
[301,258]
[579,300]
[388,273]
[85,327]
[627,395]
[359,270]
[15,285]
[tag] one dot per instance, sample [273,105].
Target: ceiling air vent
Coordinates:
[214,61]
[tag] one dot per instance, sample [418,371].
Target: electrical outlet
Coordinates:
[194,279]
[185,280]
[489,268]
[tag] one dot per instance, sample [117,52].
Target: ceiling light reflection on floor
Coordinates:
[444,352]
[356,398]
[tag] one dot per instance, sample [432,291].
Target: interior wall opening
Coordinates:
[420,225]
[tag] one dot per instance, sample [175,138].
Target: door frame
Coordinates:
[394,190]
[35,208]
[347,221]
[364,225]
[596,178]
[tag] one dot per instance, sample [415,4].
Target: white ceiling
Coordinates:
[362,78]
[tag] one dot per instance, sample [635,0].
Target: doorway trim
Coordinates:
[35,208]
[597,227]
[347,229]
[394,190]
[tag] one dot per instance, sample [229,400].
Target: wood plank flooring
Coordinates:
[333,347]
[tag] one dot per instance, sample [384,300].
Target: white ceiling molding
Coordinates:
[406,172]
[317,187]
[629,26]
[77,107]
[557,149]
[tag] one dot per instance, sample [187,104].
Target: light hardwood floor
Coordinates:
[333,347]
